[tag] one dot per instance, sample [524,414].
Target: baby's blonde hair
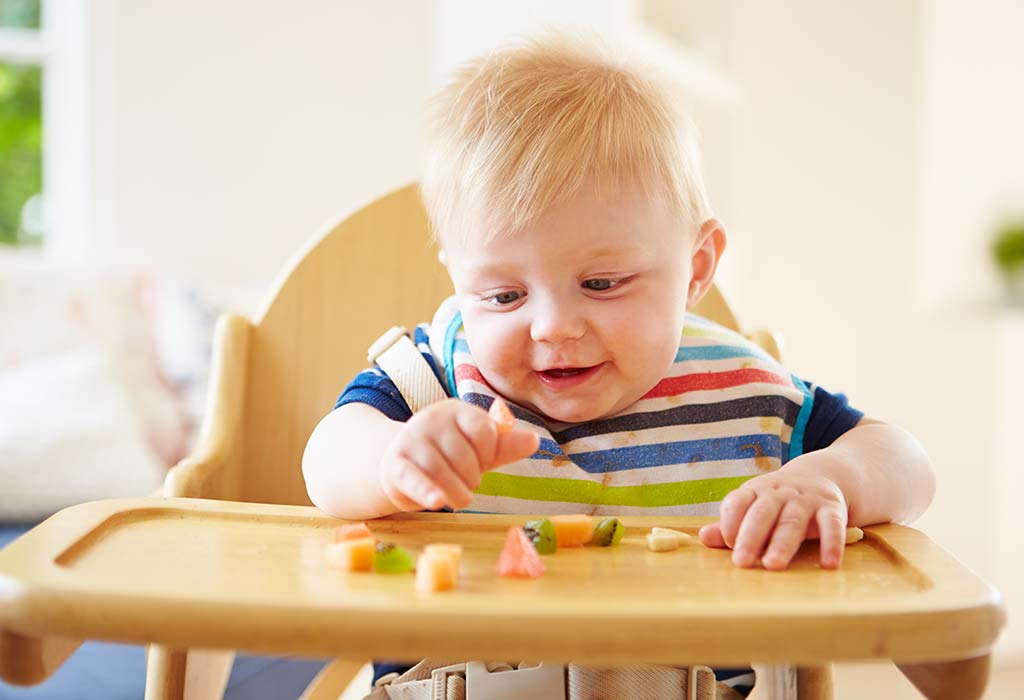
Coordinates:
[520,129]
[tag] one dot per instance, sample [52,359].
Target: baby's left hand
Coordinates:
[774,513]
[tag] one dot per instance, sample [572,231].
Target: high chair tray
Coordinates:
[190,573]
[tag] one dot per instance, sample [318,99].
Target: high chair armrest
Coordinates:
[213,470]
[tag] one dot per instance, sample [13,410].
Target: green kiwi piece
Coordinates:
[542,533]
[607,533]
[392,559]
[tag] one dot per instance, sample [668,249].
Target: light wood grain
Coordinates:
[254,577]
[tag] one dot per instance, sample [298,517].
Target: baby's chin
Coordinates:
[572,412]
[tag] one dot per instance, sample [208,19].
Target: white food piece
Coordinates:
[681,537]
[662,542]
[854,534]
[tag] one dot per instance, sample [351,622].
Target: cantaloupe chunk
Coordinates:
[352,555]
[351,531]
[502,415]
[572,530]
[452,551]
[435,572]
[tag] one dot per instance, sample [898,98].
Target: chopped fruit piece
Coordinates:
[519,558]
[452,551]
[351,531]
[608,532]
[573,530]
[542,534]
[502,415]
[662,542]
[681,537]
[392,559]
[434,573]
[351,555]
[854,534]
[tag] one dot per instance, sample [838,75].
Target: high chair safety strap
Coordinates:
[474,680]
[396,354]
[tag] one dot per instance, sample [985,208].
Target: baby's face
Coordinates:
[578,315]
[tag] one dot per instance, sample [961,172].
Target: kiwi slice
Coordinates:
[607,533]
[392,559]
[542,533]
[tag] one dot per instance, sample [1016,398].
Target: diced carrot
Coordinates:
[351,531]
[351,555]
[452,551]
[435,572]
[502,415]
[572,530]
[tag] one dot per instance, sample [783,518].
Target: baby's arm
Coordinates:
[873,473]
[359,464]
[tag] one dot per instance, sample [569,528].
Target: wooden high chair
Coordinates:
[101,570]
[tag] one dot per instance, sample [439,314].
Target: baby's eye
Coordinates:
[504,298]
[600,285]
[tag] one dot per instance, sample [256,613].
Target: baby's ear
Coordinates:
[707,251]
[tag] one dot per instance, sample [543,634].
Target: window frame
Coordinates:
[60,48]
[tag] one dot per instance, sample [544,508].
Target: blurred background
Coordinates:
[161,161]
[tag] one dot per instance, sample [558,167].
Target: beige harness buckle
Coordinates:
[539,682]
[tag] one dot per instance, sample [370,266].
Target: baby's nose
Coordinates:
[556,324]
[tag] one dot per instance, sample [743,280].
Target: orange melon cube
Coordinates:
[351,531]
[452,551]
[501,414]
[572,530]
[435,572]
[351,555]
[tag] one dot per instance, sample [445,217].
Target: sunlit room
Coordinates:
[195,195]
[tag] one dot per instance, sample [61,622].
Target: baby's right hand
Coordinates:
[440,455]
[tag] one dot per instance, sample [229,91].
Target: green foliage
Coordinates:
[21,139]
[23,14]
[1008,247]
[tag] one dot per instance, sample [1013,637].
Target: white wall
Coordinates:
[863,194]
[227,134]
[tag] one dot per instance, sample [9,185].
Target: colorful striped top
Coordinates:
[725,412]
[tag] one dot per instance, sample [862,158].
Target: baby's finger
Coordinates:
[409,489]
[460,454]
[734,507]
[831,521]
[480,432]
[790,532]
[515,445]
[435,467]
[754,530]
[711,536]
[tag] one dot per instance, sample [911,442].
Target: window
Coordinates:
[44,130]
[21,126]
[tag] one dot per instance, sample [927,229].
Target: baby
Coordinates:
[566,196]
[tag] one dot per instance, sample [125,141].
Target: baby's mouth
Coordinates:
[559,372]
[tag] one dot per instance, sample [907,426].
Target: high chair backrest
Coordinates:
[273,379]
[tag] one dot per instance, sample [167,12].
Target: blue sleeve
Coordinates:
[831,416]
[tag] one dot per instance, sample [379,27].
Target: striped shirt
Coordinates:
[725,412]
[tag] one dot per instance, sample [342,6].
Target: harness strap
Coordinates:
[396,354]
[432,679]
